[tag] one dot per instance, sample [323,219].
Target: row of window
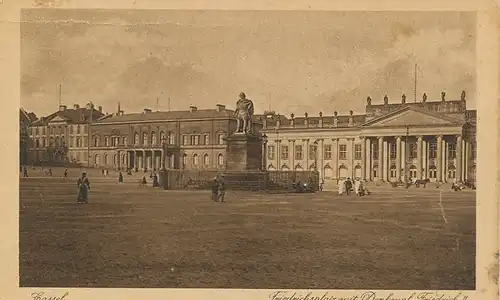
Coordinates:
[195,160]
[57,141]
[327,151]
[155,140]
[36,130]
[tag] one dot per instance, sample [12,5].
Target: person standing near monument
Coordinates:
[244,113]
[83,185]
[221,189]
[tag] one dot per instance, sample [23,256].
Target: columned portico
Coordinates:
[398,158]
[380,157]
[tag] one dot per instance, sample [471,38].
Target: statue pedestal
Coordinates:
[244,152]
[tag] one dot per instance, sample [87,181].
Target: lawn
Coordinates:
[131,236]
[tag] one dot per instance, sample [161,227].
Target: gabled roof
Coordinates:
[411,115]
[73,116]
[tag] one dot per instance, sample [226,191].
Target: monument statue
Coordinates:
[443,95]
[424,97]
[386,99]
[403,98]
[462,96]
[243,113]
[368,101]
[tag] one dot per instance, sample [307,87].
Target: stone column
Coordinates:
[445,160]
[380,158]
[404,175]
[291,158]
[385,161]
[466,160]
[439,158]
[424,159]
[277,152]
[350,157]
[419,157]
[320,158]
[368,157]
[335,157]
[398,158]
[459,160]
[363,159]
[306,152]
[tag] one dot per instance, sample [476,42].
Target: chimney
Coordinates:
[292,119]
[100,109]
[335,118]
[89,106]
[147,111]
[192,108]
[76,106]
[62,107]
[221,107]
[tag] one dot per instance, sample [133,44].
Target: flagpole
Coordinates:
[60,95]
[415,90]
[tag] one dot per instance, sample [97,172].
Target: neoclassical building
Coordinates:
[186,139]
[390,141]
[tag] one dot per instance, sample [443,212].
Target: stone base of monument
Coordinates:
[244,152]
[246,180]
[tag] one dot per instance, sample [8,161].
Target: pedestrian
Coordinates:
[357,184]
[25,171]
[120,177]
[102,172]
[341,187]
[348,186]
[50,172]
[83,185]
[155,180]
[144,181]
[215,189]
[221,189]
[321,185]
[65,174]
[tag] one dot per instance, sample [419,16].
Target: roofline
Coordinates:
[162,120]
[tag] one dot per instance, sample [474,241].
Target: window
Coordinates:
[413,172]
[136,138]
[125,140]
[343,151]
[162,137]
[206,160]
[452,152]
[37,143]
[284,152]
[374,151]
[413,150]
[153,138]
[171,138]
[43,130]
[432,151]
[106,141]
[220,138]
[432,172]
[473,150]
[185,140]
[184,160]
[195,139]
[145,138]
[393,151]
[357,151]
[313,151]
[298,152]
[37,132]
[78,142]
[206,139]
[106,159]
[270,152]
[451,172]
[393,171]
[113,142]
[328,152]
[220,159]
[195,160]
[96,141]
[77,129]
[43,142]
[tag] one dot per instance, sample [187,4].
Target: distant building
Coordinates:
[62,136]
[25,121]
[433,140]
[192,139]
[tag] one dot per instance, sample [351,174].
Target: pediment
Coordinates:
[411,117]
[58,119]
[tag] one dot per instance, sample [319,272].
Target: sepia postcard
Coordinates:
[284,150]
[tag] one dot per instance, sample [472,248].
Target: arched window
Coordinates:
[357,172]
[145,138]
[393,171]
[375,171]
[136,138]
[96,160]
[432,172]
[271,167]
[452,172]
[106,159]
[344,172]
[162,137]
[124,159]
[285,168]
[206,160]
[328,172]
[171,138]
[115,159]
[57,141]
[153,138]
[184,160]
[195,160]
[220,159]
[298,168]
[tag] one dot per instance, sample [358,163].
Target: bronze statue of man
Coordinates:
[243,113]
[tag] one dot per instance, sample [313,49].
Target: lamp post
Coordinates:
[89,133]
[316,155]
[164,164]
[264,151]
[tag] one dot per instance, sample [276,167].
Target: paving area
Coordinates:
[130,236]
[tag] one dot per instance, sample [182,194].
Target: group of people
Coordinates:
[218,189]
[347,186]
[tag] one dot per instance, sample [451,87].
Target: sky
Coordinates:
[286,61]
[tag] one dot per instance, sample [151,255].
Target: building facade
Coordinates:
[190,139]
[433,140]
[25,121]
[62,136]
